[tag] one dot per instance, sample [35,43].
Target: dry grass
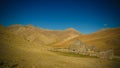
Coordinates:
[40,57]
[15,51]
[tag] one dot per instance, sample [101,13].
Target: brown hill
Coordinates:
[104,39]
[41,36]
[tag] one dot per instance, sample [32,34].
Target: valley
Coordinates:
[28,47]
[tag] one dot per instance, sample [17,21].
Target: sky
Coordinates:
[86,16]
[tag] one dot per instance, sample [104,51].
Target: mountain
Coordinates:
[41,36]
[104,39]
[29,34]
[24,47]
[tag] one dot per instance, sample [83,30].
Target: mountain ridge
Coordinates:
[103,39]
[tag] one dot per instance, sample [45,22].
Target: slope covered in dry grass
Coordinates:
[16,51]
[40,57]
[104,39]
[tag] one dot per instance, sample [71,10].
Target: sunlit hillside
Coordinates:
[22,48]
[104,39]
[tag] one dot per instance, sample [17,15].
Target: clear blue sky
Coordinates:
[86,16]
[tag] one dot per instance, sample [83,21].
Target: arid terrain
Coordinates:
[29,47]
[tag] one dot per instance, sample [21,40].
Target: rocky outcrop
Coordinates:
[79,47]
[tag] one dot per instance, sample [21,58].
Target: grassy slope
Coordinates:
[32,56]
[16,50]
[41,58]
[104,40]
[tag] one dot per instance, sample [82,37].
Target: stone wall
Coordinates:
[79,47]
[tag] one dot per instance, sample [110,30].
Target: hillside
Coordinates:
[104,39]
[24,47]
[41,36]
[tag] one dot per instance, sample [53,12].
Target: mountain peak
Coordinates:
[71,29]
[30,26]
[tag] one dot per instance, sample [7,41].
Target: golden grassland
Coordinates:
[15,51]
[39,57]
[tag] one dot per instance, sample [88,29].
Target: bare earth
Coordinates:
[40,57]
